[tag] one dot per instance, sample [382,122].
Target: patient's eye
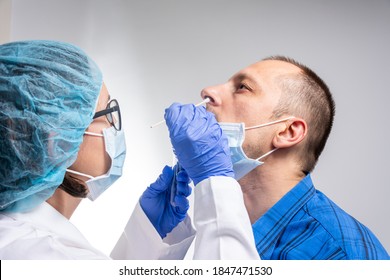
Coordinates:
[242,87]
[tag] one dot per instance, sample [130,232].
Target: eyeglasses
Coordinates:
[112,113]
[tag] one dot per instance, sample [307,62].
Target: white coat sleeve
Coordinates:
[223,228]
[222,223]
[141,241]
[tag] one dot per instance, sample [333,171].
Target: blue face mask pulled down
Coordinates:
[235,133]
[115,146]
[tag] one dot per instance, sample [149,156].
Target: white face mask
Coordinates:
[115,145]
[235,133]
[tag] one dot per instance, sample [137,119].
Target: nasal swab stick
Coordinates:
[206,100]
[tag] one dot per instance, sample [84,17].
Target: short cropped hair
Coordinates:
[307,96]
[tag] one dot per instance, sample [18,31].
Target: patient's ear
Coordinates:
[295,131]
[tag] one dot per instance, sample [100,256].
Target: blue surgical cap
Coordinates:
[48,95]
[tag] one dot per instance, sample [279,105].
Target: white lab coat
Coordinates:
[222,223]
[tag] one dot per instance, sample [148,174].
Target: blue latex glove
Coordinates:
[198,142]
[155,201]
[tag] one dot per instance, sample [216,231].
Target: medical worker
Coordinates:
[62,140]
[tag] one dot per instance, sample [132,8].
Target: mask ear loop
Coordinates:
[79,173]
[93,134]
[266,154]
[267,124]
[270,123]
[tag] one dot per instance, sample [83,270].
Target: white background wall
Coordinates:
[5,20]
[153,53]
